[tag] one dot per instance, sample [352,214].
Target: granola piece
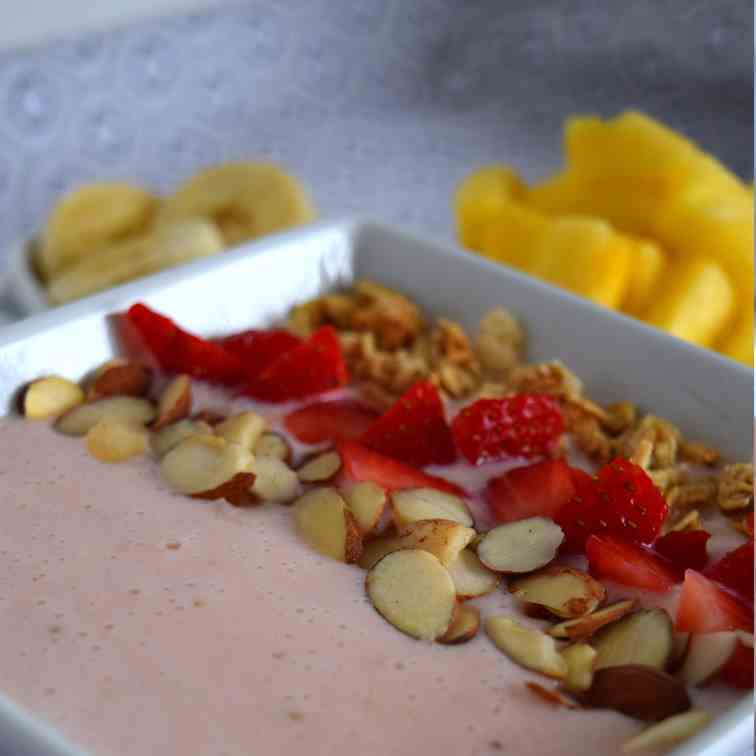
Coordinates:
[683,497]
[665,478]
[454,363]
[337,309]
[664,437]
[735,490]
[643,453]
[619,417]
[690,521]
[741,525]
[698,453]
[376,396]
[491,390]
[587,433]
[500,342]
[305,318]
[391,317]
[552,378]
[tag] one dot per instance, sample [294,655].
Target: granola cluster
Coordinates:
[389,346]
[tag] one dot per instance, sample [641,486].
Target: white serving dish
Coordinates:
[21,285]
[619,358]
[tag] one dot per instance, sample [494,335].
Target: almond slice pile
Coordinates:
[49,397]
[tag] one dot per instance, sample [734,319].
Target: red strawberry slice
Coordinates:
[749,524]
[414,429]
[539,490]
[312,367]
[330,421]
[583,514]
[735,571]
[178,351]
[628,564]
[257,349]
[637,508]
[705,607]
[525,425]
[738,672]
[685,550]
[362,464]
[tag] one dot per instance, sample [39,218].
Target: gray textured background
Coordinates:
[381,107]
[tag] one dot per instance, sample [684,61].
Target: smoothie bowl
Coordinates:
[364,502]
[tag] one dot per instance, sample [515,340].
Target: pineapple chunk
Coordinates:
[513,236]
[629,166]
[647,262]
[480,198]
[697,303]
[585,256]
[737,344]
[559,194]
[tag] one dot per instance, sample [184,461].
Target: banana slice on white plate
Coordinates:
[244,199]
[89,218]
[164,247]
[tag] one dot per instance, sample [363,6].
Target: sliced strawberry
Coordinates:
[738,671]
[637,509]
[685,550]
[330,421]
[705,607]
[525,425]
[257,349]
[539,490]
[414,429]
[362,464]
[735,571]
[628,564]
[582,515]
[313,367]
[178,351]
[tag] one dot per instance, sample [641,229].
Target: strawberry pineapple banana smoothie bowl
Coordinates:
[366,530]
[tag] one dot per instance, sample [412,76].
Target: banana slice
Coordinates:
[89,218]
[165,247]
[244,199]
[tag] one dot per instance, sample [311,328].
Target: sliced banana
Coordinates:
[244,199]
[166,246]
[90,218]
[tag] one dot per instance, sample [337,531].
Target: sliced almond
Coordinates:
[528,647]
[320,468]
[580,659]
[244,429]
[641,638]
[464,626]
[521,546]
[325,522]
[584,627]
[208,467]
[114,441]
[175,402]
[412,590]
[273,445]
[669,731]
[119,377]
[551,695]
[706,655]
[638,691]
[275,481]
[367,501]
[50,397]
[416,504]
[471,577]
[127,409]
[172,435]
[563,591]
[373,551]
[444,539]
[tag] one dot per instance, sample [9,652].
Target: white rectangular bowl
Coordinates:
[618,358]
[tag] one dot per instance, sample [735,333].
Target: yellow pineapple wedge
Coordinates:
[629,166]
[480,198]
[697,302]
[587,257]
[647,265]
[737,343]
[583,255]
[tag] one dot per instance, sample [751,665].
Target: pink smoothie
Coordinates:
[139,621]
